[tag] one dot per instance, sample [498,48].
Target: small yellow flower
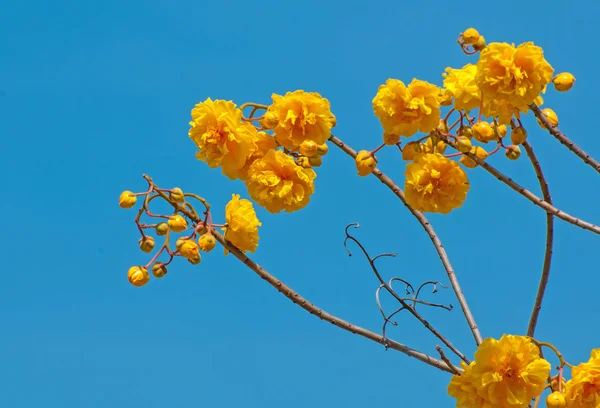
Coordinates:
[511,78]
[365,163]
[411,150]
[404,110]
[551,116]
[461,84]
[483,132]
[138,276]
[477,151]
[518,135]
[300,116]
[127,199]
[308,148]
[188,249]
[146,244]
[207,242]
[159,269]
[177,195]
[513,152]
[277,183]
[556,400]
[435,183]
[563,82]
[471,36]
[177,223]
[162,228]
[583,389]
[242,225]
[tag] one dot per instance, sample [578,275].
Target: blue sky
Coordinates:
[94,94]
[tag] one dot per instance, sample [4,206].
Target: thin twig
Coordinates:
[549,241]
[305,304]
[432,235]
[446,359]
[562,138]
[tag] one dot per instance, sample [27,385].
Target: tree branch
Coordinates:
[432,235]
[539,298]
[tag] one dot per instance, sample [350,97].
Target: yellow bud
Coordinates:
[127,199]
[207,242]
[159,269]
[411,150]
[501,130]
[471,36]
[269,121]
[556,400]
[390,139]
[445,98]
[480,44]
[442,127]
[323,149]
[162,228]
[138,276]
[477,151]
[365,163]
[177,195]
[302,161]
[563,82]
[518,135]
[483,132]
[146,244]
[315,161]
[179,243]
[513,152]
[463,144]
[309,148]
[195,260]
[466,131]
[188,249]
[177,223]
[551,116]
[440,146]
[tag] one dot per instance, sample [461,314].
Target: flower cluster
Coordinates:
[274,154]
[583,389]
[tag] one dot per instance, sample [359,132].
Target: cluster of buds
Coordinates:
[197,233]
[310,154]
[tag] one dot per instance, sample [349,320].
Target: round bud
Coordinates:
[501,130]
[207,242]
[188,249]
[269,121]
[483,132]
[365,163]
[195,260]
[308,148]
[315,161]
[179,243]
[127,199]
[480,44]
[162,228]
[159,269]
[465,131]
[463,144]
[563,82]
[551,116]
[518,135]
[303,161]
[138,276]
[411,150]
[513,152]
[470,36]
[323,149]
[146,244]
[177,223]
[177,195]
[442,127]
[556,400]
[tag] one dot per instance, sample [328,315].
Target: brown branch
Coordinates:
[539,298]
[305,304]
[562,138]
[445,359]
[432,235]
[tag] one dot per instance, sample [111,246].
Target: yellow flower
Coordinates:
[464,388]
[177,223]
[138,276]
[406,110]
[435,183]
[365,163]
[583,389]
[461,84]
[242,225]
[556,400]
[563,82]
[518,135]
[300,116]
[509,372]
[511,78]
[221,136]
[207,242]
[188,249]
[127,199]
[264,143]
[411,150]
[277,183]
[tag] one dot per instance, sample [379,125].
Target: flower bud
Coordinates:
[463,144]
[518,135]
[551,116]
[365,163]
[127,199]
[440,146]
[390,139]
[195,260]
[162,228]
[179,243]
[513,152]
[477,151]
[442,127]
[269,121]
[138,276]
[470,36]
[177,195]
[188,249]
[159,269]
[465,131]
[302,161]
[563,82]
[501,130]
[323,149]
[483,132]
[207,242]
[146,244]
[177,223]
[411,150]
[308,148]
[315,161]
[480,44]
[556,400]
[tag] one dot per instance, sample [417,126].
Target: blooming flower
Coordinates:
[463,387]
[277,183]
[461,84]
[365,163]
[299,116]
[406,110]
[435,183]
[221,136]
[511,78]
[242,225]
[583,389]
